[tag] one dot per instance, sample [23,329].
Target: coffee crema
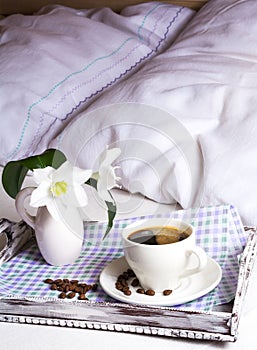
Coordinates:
[159,235]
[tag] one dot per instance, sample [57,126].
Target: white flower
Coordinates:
[60,190]
[106,173]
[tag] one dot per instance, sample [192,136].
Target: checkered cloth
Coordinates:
[218,230]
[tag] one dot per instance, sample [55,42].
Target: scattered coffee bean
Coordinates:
[119,286]
[167,292]
[135,282]
[150,292]
[123,281]
[131,273]
[127,292]
[78,290]
[71,295]
[62,295]
[87,287]
[125,275]
[72,287]
[58,281]
[82,296]
[48,280]
[53,286]
[74,281]
[140,291]
[69,288]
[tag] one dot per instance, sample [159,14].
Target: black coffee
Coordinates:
[159,235]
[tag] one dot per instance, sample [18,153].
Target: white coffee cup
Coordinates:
[163,266]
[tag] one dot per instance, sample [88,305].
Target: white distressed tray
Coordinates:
[221,325]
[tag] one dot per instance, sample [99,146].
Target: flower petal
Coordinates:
[43,174]
[80,176]
[75,196]
[63,173]
[41,195]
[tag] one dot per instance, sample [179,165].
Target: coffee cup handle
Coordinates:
[202,261]
[20,207]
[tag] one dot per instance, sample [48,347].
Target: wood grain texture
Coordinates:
[162,321]
[29,6]
[119,317]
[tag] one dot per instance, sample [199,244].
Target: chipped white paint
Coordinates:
[167,322]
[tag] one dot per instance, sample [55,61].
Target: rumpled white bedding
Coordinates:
[204,83]
[55,62]
[207,80]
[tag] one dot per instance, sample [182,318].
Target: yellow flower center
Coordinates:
[59,188]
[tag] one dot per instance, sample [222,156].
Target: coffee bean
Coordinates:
[74,281]
[71,295]
[124,282]
[48,280]
[131,273]
[119,286]
[125,275]
[135,282]
[82,296]
[140,291]
[167,292]
[127,292]
[53,286]
[62,295]
[58,281]
[150,292]
[72,286]
[66,288]
[78,289]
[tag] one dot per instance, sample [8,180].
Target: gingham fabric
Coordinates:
[218,230]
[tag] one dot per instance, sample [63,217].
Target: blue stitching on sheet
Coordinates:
[75,88]
[144,19]
[85,68]
[127,70]
[112,82]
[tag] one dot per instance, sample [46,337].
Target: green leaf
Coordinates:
[91,182]
[15,171]
[111,215]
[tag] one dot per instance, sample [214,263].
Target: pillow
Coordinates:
[207,81]
[57,61]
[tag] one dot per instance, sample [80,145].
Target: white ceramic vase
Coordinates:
[59,242]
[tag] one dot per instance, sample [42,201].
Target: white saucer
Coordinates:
[190,288]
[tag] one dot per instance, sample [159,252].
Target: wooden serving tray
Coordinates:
[220,325]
